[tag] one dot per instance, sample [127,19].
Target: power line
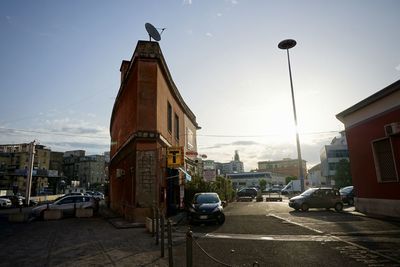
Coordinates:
[53,133]
[261,135]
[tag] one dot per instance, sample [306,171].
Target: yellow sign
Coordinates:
[175,157]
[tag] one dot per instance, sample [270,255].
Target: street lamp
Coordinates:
[286,45]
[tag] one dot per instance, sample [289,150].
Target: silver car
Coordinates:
[5,203]
[67,204]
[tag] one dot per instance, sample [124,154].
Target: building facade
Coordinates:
[285,167]
[331,155]
[151,130]
[373,136]
[252,179]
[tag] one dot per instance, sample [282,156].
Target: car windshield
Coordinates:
[346,189]
[308,192]
[206,198]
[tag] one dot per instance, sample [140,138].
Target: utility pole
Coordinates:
[29,174]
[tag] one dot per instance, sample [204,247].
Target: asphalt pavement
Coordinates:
[273,237]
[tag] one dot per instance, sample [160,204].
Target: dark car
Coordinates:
[247,192]
[347,195]
[317,198]
[206,207]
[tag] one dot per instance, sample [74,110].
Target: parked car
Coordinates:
[5,203]
[96,194]
[67,204]
[275,188]
[16,200]
[317,198]
[347,195]
[206,207]
[247,192]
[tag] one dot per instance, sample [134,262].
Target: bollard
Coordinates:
[170,256]
[189,248]
[162,235]
[157,225]
[152,221]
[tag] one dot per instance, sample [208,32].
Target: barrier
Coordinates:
[52,214]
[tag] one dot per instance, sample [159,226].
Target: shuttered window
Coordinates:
[384,160]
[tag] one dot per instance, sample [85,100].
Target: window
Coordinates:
[176,127]
[169,117]
[384,160]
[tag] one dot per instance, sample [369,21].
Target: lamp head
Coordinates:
[287,44]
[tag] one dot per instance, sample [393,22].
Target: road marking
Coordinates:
[296,238]
[295,223]
[339,239]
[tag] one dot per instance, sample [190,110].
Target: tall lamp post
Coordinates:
[286,45]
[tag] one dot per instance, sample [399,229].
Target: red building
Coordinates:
[373,137]
[149,116]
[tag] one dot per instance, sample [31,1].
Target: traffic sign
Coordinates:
[175,157]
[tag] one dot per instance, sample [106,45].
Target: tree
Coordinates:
[263,184]
[221,185]
[343,175]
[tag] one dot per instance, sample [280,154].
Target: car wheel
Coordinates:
[304,207]
[351,202]
[221,218]
[338,206]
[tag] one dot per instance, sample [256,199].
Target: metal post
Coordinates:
[162,234]
[29,174]
[152,221]
[286,45]
[170,255]
[297,131]
[189,248]
[157,225]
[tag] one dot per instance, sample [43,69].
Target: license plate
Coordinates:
[203,217]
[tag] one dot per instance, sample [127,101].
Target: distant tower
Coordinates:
[237,155]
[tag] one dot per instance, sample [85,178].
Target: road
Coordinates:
[254,234]
[271,233]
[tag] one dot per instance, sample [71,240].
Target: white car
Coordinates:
[5,203]
[67,205]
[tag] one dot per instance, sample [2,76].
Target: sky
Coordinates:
[60,60]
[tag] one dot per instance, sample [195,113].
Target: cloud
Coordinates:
[219,14]
[233,2]
[208,34]
[187,2]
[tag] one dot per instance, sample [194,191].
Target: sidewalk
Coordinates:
[77,242]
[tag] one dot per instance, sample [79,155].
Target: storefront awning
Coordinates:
[188,177]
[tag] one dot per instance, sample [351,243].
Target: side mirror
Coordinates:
[224,204]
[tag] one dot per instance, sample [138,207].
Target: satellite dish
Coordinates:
[153,32]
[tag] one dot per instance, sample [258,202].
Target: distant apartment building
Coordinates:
[331,155]
[314,177]
[91,170]
[285,167]
[252,179]
[87,170]
[14,167]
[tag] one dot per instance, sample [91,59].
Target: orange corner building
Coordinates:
[152,130]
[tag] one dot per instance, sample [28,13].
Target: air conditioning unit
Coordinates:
[120,173]
[392,128]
